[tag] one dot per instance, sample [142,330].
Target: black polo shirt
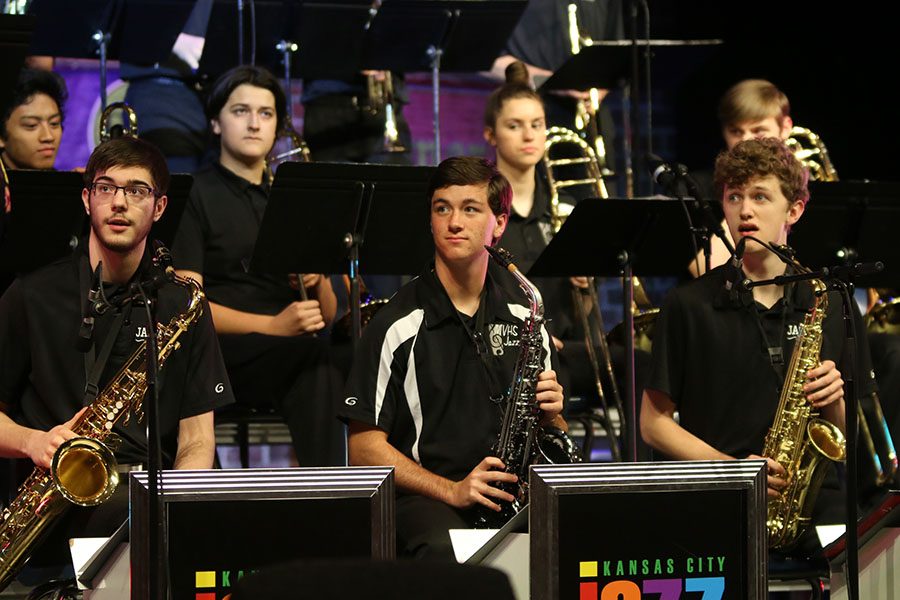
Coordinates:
[417,374]
[216,236]
[525,238]
[43,374]
[711,358]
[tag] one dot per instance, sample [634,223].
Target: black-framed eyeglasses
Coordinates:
[105,192]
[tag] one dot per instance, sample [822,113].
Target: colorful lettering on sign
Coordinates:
[713,588]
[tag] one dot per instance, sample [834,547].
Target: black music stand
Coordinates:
[345,218]
[37,194]
[620,237]
[415,35]
[610,63]
[328,36]
[109,30]
[15,37]
[58,193]
[848,222]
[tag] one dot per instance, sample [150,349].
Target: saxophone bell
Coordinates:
[84,471]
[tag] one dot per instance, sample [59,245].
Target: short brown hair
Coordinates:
[518,85]
[751,159]
[472,170]
[128,151]
[753,100]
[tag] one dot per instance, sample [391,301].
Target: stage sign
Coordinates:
[666,531]
[225,524]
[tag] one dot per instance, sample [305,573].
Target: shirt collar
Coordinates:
[438,307]
[800,294]
[239,183]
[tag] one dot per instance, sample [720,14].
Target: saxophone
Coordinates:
[83,470]
[799,440]
[522,442]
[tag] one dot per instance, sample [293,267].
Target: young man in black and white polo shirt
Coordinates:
[425,391]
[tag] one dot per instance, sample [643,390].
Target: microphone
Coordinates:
[735,284]
[96,306]
[162,272]
[663,173]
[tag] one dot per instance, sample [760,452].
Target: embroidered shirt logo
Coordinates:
[502,336]
[140,333]
[794,330]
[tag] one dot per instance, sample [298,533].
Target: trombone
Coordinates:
[810,150]
[129,127]
[585,302]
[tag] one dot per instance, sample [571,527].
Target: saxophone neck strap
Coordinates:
[775,349]
[93,363]
[476,336]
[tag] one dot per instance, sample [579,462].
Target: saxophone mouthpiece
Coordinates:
[503,257]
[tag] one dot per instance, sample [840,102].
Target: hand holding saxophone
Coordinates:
[774,476]
[825,384]
[41,446]
[549,395]
[478,488]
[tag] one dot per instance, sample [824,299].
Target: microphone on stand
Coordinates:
[736,284]
[663,173]
[96,306]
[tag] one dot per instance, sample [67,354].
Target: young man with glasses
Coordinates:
[426,390]
[50,352]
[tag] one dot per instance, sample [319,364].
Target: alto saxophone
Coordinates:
[799,440]
[522,442]
[83,470]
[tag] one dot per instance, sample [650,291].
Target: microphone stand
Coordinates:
[145,291]
[838,279]
[674,178]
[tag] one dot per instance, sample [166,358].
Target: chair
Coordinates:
[243,417]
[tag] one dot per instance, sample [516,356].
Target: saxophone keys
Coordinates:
[119,405]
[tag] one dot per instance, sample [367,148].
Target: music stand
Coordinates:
[414,35]
[331,35]
[345,218]
[15,37]
[610,63]
[620,237]
[109,30]
[847,222]
[37,194]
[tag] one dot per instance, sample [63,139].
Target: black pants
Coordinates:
[423,527]
[295,376]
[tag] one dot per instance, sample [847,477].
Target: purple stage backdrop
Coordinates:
[462,106]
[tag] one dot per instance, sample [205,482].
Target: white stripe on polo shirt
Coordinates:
[522,312]
[400,332]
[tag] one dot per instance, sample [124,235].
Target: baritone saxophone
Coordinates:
[84,470]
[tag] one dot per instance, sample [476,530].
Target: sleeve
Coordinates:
[667,362]
[199,18]
[15,359]
[207,386]
[376,385]
[189,245]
